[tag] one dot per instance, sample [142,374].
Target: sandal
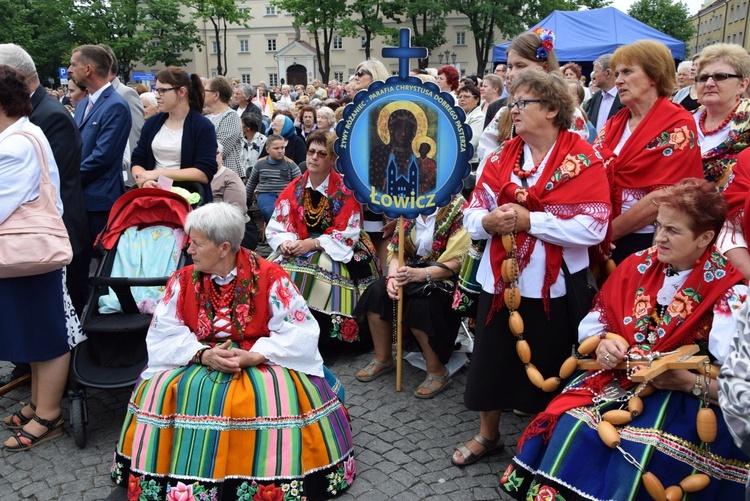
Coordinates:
[434,383]
[375,369]
[469,457]
[26,440]
[17,420]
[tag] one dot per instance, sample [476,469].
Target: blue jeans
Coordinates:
[266,202]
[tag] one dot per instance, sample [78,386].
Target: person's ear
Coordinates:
[706,238]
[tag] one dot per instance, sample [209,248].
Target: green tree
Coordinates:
[485,19]
[323,19]
[666,16]
[366,15]
[41,28]
[426,19]
[220,13]
[169,34]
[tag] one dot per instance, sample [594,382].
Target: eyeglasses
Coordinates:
[321,154]
[521,103]
[162,90]
[361,72]
[718,77]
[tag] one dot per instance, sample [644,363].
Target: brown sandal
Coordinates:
[26,440]
[469,457]
[375,369]
[434,383]
[17,420]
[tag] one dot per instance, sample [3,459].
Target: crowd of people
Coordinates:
[636,185]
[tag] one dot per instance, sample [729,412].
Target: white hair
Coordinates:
[150,98]
[685,65]
[14,56]
[220,222]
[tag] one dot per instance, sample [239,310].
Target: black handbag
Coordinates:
[580,291]
[424,289]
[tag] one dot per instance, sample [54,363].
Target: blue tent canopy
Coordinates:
[587,34]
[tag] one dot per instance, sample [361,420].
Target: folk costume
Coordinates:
[655,309]
[568,200]
[275,430]
[332,279]
[662,150]
[720,149]
[440,238]
[737,226]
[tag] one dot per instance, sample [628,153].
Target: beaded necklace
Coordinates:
[522,174]
[314,214]
[702,122]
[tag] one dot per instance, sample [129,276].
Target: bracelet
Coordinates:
[317,244]
[388,279]
[198,357]
[427,275]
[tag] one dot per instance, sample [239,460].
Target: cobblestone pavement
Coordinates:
[402,443]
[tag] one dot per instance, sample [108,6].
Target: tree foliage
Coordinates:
[41,28]
[426,18]
[666,16]
[366,15]
[220,13]
[323,19]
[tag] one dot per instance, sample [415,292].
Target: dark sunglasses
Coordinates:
[362,71]
[718,77]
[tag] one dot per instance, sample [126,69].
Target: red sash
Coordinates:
[738,194]
[341,204]
[573,182]
[250,310]
[625,304]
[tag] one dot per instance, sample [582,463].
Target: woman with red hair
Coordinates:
[448,81]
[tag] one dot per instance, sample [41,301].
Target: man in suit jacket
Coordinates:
[65,140]
[605,103]
[104,120]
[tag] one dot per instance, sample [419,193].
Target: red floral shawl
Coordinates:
[250,310]
[341,205]
[661,151]
[573,182]
[738,194]
[625,304]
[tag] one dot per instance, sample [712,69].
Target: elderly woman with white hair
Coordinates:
[326,119]
[233,352]
[150,106]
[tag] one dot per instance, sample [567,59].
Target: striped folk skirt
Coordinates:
[265,433]
[576,464]
[331,288]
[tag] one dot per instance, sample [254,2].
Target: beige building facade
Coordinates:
[724,21]
[272,51]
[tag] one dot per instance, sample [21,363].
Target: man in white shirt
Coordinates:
[605,102]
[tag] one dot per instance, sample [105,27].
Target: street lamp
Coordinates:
[447,56]
[453,58]
[440,58]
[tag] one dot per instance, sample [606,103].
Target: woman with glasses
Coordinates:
[540,202]
[648,145]
[369,71]
[468,100]
[179,143]
[227,122]
[316,234]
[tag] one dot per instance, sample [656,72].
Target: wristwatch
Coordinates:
[698,388]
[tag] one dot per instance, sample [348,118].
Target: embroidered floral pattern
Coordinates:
[570,168]
[539,492]
[270,492]
[510,481]
[344,328]
[678,139]
[682,305]
[142,490]
[449,220]
[342,477]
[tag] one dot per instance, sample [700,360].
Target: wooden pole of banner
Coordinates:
[399,330]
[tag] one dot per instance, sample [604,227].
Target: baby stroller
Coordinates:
[142,244]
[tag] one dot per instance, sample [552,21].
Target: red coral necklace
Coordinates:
[702,122]
[523,174]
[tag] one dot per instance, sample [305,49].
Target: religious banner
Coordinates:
[403,146]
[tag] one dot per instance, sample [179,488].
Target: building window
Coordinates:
[273,79]
[244,46]
[271,44]
[242,10]
[270,10]
[363,43]
[338,76]
[214,47]
[245,78]
[338,43]
[155,44]
[461,38]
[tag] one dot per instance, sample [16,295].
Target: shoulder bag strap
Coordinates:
[39,151]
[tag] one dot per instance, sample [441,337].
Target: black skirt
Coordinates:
[497,378]
[432,314]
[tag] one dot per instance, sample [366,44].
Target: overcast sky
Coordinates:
[692,5]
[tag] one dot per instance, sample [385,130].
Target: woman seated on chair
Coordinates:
[233,401]
[316,234]
[434,247]
[681,291]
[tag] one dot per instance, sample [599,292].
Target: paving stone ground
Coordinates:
[402,444]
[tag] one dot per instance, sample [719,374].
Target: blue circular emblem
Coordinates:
[403,147]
